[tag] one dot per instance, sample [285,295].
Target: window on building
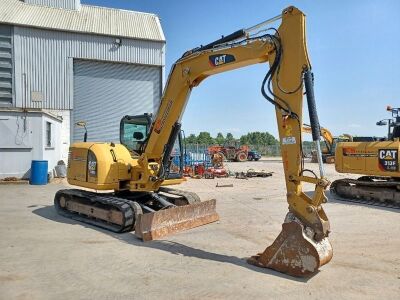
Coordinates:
[48,135]
[6,66]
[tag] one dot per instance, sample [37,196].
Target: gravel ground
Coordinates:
[45,256]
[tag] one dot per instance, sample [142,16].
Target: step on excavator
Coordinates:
[377,161]
[136,169]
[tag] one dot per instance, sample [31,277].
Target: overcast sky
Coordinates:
[354,48]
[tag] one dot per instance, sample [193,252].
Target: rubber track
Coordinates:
[189,196]
[123,205]
[367,184]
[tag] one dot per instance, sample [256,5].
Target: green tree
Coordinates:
[220,139]
[205,138]
[191,139]
[270,139]
[229,138]
[258,138]
[244,140]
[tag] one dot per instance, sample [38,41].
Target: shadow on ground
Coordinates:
[48,212]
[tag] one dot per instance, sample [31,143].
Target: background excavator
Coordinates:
[136,168]
[377,161]
[328,152]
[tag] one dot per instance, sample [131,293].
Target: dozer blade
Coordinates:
[157,224]
[293,252]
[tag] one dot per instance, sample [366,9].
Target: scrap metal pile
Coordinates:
[253,173]
[200,171]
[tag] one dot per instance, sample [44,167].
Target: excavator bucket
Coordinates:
[155,225]
[293,252]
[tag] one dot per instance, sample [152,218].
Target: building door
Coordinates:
[105,92]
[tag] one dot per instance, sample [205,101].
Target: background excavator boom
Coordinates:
[325,133]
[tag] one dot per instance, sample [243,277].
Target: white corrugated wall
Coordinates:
[67,4]
[87,20]
[44,62]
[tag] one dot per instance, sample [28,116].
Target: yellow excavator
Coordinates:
[136,168]
[377,161]
[328,153]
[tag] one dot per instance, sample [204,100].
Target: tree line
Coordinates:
[251,138]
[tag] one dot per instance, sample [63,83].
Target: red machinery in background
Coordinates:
[230,153]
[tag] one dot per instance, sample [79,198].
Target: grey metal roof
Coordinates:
[89,19]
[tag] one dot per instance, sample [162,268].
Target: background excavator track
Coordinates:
[370,190]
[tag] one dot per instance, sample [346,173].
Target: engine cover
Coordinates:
[368,158]
[99,166]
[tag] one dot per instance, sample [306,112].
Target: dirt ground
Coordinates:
[45,256]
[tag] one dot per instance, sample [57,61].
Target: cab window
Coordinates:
[134,131]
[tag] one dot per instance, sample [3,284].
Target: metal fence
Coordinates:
[198,153]
[275,150]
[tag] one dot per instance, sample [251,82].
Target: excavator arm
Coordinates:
[290,72]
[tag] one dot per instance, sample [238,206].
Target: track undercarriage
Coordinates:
[150,215]
[371,190]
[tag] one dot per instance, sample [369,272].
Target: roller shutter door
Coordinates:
[105,92]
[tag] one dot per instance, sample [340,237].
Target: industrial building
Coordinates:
[63,62]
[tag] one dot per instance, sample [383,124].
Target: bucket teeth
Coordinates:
[294,252]
[158,224]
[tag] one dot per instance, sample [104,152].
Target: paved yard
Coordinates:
[45,256]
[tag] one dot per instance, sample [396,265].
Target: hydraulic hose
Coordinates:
[166,161]
[314,122]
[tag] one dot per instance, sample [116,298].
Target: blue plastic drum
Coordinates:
[39,172]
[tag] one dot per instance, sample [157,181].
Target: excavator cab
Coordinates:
[392,124]
[134,133]
[395,124]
